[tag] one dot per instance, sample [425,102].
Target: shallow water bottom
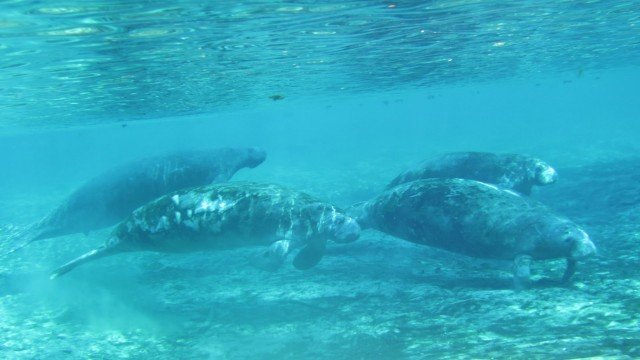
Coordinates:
[379,297]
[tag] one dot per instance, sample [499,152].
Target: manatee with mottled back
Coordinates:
[229,216]
[476,219]
[508,171]
[110,197]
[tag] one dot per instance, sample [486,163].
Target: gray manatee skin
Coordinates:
[229,216]
[475,219]
[508,171]
[110,197]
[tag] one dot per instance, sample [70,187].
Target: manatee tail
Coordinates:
[105,250]
[24,237]
[19,246]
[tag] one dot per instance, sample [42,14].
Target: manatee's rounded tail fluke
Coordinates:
[105,250]
[23,238]
[20,245]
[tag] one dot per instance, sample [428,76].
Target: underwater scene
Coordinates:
[441,179]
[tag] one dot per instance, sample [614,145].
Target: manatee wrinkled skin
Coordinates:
[508,171]
[476,219]
[229,216]
[110,197]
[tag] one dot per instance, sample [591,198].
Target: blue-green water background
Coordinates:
[369,89]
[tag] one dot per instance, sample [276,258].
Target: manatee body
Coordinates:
[479,220]
[110,197]
[228,216]
[508,171]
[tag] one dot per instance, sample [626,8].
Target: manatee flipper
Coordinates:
[568,273]
[272,258]
[310,255]
[522,272]
[105,250]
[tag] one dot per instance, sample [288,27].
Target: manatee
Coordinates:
[508,171]
[228,216]
[110,197]
[478,220]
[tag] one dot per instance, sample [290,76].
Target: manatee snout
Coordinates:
[545,174]
[582,246]
[255,157]
[345,229]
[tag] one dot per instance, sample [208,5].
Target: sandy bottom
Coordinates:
[379,297]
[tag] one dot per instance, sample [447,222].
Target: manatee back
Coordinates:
[509,171]
[459,215]
[218,216]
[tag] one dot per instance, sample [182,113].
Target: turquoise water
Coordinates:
[96,61]
[343,96]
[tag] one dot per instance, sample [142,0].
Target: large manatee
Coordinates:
[228,216]
[478,220]
[111,196]
[508,171]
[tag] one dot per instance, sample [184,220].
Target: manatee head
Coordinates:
[581,245]
[220,164]
[543,173]
[563,238]
[333,224]
[253,156]
[343,228]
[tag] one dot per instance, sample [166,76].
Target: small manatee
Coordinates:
[508,171]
